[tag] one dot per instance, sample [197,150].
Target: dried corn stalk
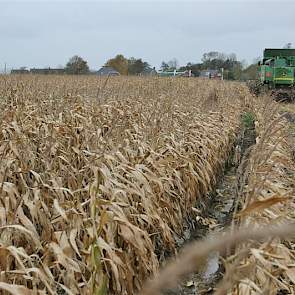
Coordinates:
[269,200]
[96,177]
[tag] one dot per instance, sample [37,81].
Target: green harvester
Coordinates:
[276,73]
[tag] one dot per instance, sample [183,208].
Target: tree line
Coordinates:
[233,69]
[125,66]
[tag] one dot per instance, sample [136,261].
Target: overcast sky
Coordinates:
[47,33]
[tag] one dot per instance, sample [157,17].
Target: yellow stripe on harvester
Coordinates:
[288,79]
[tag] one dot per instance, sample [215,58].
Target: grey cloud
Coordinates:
[49,33]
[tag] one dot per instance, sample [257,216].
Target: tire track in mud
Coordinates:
[214,213]
[287,110]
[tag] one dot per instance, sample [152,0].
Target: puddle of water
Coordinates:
[212,266]
[228,205]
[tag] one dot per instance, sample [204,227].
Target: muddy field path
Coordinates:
[217,212]
[261,193]
[288,111]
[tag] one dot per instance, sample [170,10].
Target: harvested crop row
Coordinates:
[267,268]
[95,183]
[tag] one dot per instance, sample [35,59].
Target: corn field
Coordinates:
[261,259]
[268,267]
[98,175]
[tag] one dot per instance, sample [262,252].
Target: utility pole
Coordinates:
[5,69]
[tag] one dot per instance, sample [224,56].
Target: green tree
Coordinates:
[170,65]
[136,66]
[77,66]
[195,68]
[212,55]
[250,73]
[215,60]
[119,63]
[237,71]
[164,66]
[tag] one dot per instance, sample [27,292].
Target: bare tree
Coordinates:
[288,46]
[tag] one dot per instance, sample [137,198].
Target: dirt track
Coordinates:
[216,215]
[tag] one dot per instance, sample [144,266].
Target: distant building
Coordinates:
[47,71]
[176,73]
[107,71]
[149,72]
[19,71]
[187,73]
[210,74]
